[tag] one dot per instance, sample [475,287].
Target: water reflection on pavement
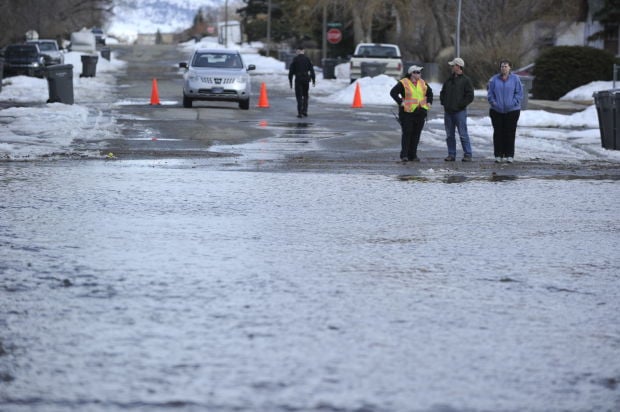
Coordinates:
[125,285]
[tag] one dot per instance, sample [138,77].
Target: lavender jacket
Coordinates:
[505,95]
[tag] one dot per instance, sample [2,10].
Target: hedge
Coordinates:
[558,70]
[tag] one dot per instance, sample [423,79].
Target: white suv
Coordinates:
[217,75]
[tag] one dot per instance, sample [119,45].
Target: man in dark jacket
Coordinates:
[456,94]
[301,67]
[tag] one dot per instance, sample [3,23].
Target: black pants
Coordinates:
[301,94]
[411,125]
[504,132]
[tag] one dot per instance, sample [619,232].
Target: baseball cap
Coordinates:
[458,62]
[414,68]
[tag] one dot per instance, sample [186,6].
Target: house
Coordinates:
[598,27]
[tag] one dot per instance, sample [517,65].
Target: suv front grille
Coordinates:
[218,80]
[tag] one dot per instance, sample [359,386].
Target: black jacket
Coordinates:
[457,93]
[301,67]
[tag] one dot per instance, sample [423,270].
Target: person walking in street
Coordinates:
[302,69]
[505,94]
[456,94]
[414,98]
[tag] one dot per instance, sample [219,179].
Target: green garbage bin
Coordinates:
[89,65]
[60,83]
[608,111]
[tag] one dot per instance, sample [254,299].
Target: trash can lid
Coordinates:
[601,93]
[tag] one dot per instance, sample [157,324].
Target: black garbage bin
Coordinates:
[105,53]
[608,110]
[329,68]
[89,65]
[372,69]
[60,83]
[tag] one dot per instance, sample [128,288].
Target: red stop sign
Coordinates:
[334,36]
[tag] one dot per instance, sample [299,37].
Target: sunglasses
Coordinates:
[416,72]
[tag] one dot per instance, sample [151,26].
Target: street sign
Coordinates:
[334,36]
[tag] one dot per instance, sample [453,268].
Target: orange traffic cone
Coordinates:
[263,100]
[154,93]
[357,98]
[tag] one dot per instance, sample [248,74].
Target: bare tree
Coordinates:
[50,18]
[499,29]
[425,27]
[365,15]
[490,29]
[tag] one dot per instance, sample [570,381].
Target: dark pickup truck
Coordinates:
[24,59]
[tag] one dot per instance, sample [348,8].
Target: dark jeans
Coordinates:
[301,94]
[504,132]
[411,125]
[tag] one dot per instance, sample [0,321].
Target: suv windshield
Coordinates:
[219,60]
[47,46]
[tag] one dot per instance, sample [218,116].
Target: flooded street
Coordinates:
[216,259]
[157,285]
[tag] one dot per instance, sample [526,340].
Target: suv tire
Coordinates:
[187,102]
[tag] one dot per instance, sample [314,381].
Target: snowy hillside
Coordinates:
[147,16]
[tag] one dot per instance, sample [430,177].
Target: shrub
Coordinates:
[561,69]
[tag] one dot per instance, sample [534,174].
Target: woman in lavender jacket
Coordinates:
[505,93]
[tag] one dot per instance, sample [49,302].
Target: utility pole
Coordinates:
[324,46]
[226,24]
[268,26]
[458,30]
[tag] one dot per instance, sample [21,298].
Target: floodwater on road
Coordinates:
[156,286]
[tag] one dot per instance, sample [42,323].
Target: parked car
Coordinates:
[23,59]
[50,50]
[217,75]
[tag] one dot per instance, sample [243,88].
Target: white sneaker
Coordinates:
[509,159]
[498,159]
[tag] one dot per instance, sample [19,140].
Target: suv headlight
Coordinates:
[191,76]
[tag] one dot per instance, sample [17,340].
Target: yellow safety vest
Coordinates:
[415,95]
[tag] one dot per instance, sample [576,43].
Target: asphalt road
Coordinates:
[333,138]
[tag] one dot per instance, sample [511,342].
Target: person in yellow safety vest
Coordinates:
[414,98]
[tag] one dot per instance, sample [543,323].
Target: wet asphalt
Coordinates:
[342,139]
